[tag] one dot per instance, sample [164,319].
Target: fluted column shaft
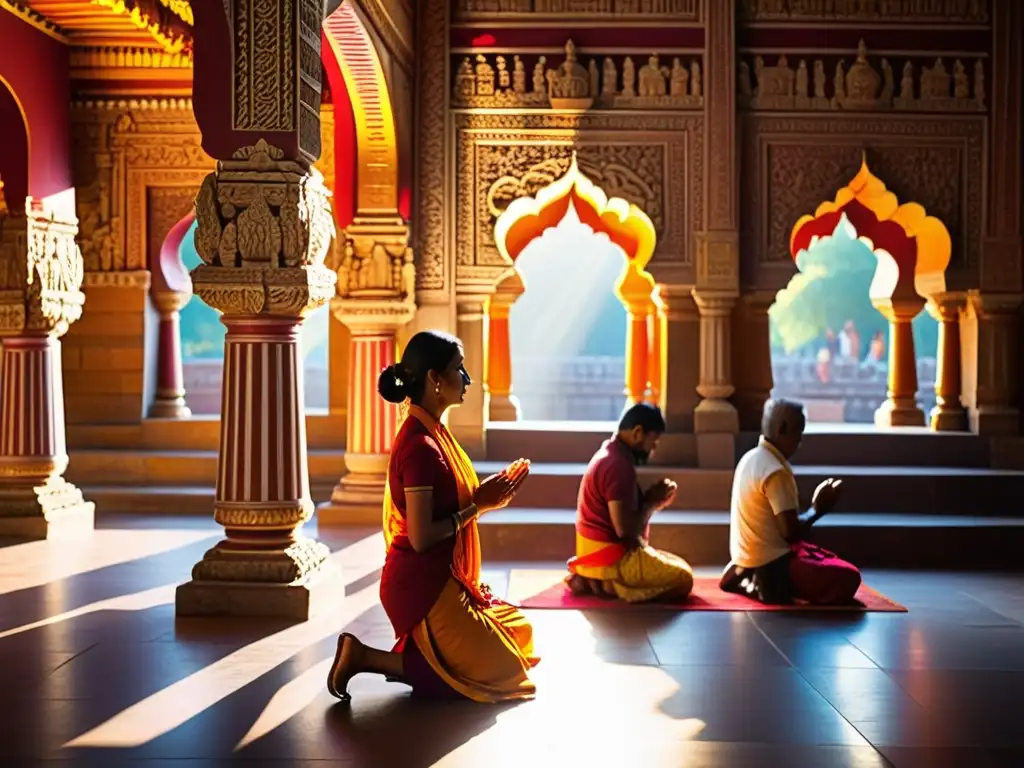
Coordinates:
[170,375]
[715,413]
[948,415]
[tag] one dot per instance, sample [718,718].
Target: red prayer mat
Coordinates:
[541,590]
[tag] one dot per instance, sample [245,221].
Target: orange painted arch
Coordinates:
[919,245]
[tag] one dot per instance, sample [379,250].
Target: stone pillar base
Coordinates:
[358,497]
[503,408]
[713,415]
[994,420]
[899,413]
[294,583]
[55,509]
[945,418]
[170,408]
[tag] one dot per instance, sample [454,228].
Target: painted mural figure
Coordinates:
[771,558]
[455,639]
[613,516]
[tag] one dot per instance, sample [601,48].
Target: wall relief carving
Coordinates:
[121,149]
[432,87]
[863,87]
[507,81]
[947,11]
[937,163]
[679,10]
[654,161]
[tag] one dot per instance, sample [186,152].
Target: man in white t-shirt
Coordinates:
[771,559]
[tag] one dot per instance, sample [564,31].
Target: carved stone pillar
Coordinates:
[503,405]
[990,324]
[639,313]
[752,357]
[374,300]
[900,408]
[715,413]
[717,274]
[265,227]
[41,272]
[467,421]
[679,376]
[949,414]
[655,351]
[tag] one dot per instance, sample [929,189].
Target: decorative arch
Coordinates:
[15,151]
[626,225]
[912,250]
[377,189]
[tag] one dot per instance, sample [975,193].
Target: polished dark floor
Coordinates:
[96,671]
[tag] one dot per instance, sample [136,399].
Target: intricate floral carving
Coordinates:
[945,11]
[432,145]
[864,87]
[678,10]
[503,84]
[938,163]
[41,271]
[265,228]
[658,165]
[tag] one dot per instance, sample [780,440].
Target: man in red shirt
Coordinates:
[613,518]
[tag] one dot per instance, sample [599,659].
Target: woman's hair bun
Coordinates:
[392,386]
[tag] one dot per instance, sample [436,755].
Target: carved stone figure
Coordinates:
[465,81]
[935,82]
[907,82]
[839,83]
[594,77]
[484,77]
[652,78]
[570,81]
[888,83]
[862,81]
[518,75]
[696,87]
[504,76]
[961,86]
[609,78]
[628,79]
[819,79]
[801,80]
[538,75]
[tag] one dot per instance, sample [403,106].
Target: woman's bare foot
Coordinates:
[348,662]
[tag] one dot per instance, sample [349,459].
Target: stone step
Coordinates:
[904,490]
[840,444]
[947,542]
[117,467]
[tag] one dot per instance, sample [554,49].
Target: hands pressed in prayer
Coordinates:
[497,491]
[826,495]
[661,494]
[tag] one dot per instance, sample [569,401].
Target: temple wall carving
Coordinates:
[875,11]
[677,10]
[654,161]
[791,164]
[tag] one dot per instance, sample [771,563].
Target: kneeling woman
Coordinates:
[455,639]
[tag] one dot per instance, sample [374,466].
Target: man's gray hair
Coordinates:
[779,413]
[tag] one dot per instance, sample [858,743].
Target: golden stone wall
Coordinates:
[138,166]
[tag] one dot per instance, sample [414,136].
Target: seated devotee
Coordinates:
[455,639]
[772,561]
[613,515]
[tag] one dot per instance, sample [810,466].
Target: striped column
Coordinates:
[263,479]
[32,441]
[372,425]
[35,499]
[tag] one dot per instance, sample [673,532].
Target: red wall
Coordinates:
[13,150]
[35,66]
[345,149]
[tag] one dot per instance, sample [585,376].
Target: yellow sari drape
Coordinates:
[481,650]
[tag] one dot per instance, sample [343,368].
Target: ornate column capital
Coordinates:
[265,227]
[946,305]
[376,274]
[718,262]
[41,272]
[714,303]
[990,306]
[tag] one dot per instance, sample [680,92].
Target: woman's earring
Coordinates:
[437,389]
